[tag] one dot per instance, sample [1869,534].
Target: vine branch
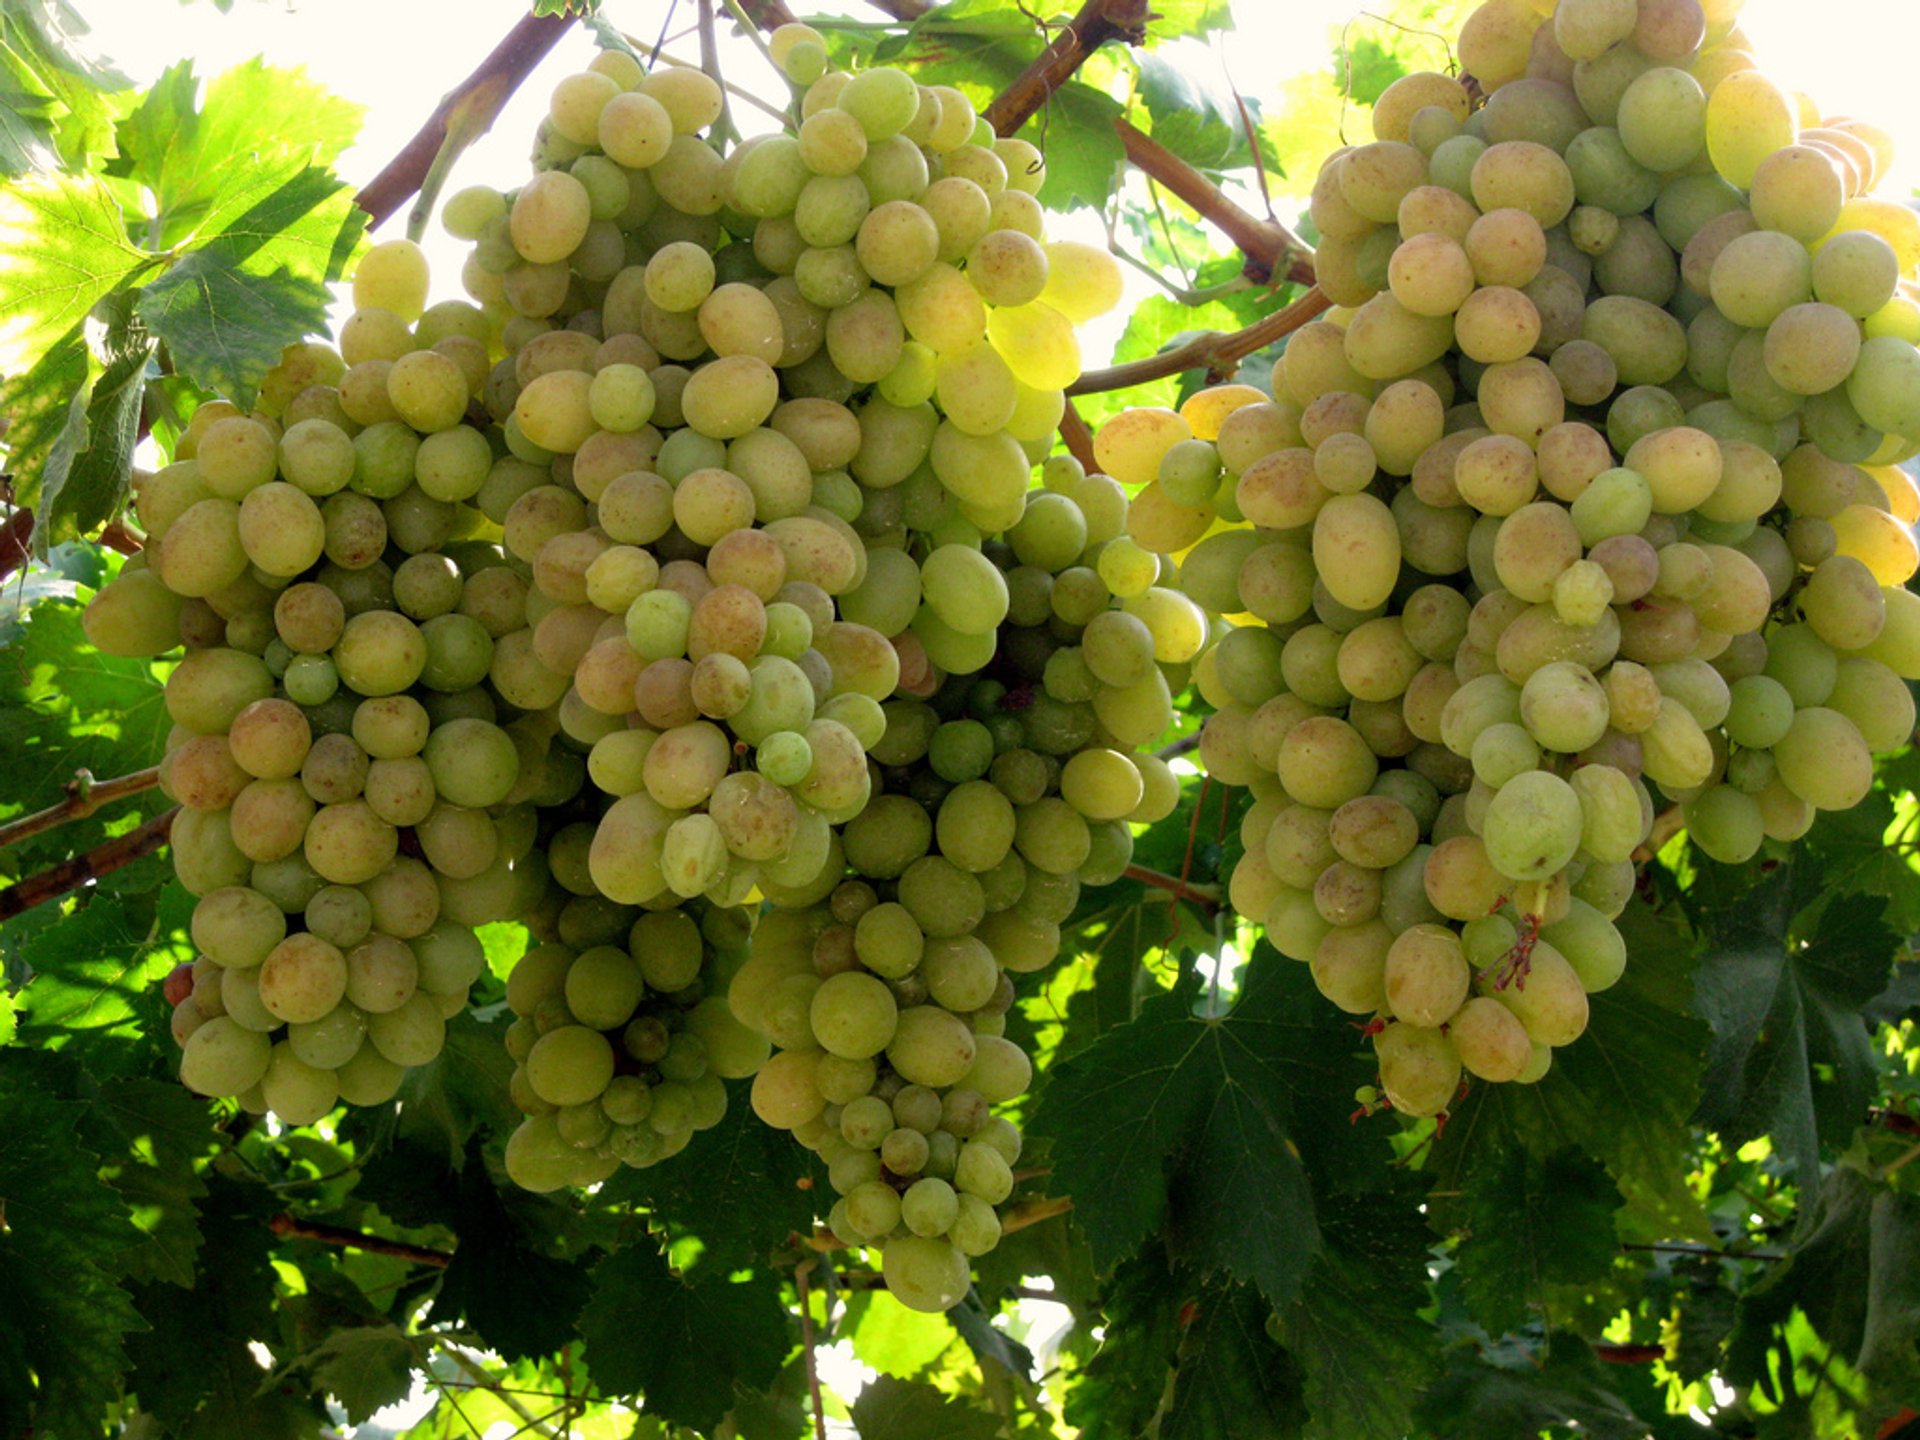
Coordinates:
[1206,897]
[469,108]
[1097,22]
[1078,438]
[84,796]
[70,875]
[1272,250]
[291,1227]
[1218,352]
[801,1272]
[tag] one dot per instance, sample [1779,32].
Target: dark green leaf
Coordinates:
[1233,1380]
[1566,1388]
[1791,1057]
[1356,1330]
[441,1105]
[893,1409]
[1124,1385]
[97,975]
[683,1345]
[259,280]
[90,466]
[365,1368]
[64,1320]
[153,1131]
[1194,1119]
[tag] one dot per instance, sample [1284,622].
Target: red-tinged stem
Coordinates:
[473,103]
[1097,22]
[1613,1354]
[296,1229]
[84,796]
[800,1274]
[767,14]
[1272,250]
[1894,1424]
[1078,437]
[1217,352]
[1207,897]
[16,541]
[70,875]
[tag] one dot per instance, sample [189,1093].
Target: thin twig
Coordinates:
[1218,352]
[723,131]
[1272,250]
[1078,437]
[84,796]
[767,14]
[1709,1251]
[800,1274]
[472,105]
[477,1373]
[1097,22]
[291,1227]
[1033,1212]
[70,875]
[16,541]
[739,92]
[1185,745]
[1207,897]
[1625,1354]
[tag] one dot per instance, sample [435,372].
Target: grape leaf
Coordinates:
[224,1394]
[1189,120]
[153,1131]
[1233,1380]
[1084,156]
[1519,1393]
[89,466]
[63,248]
[1124,1384]
[364,1367]
[1791,1057]
[522,1301]
[1173,19]
[645,1324]
[1853,1274]
[97,976]
[41,41]
[737,1186]
[1194,1120]
[1529,1220]
[893,1409]
[891,1338]
[259,280]
[441,1105]
[200,162]
[1358,1320]
[35,403]
[64,1322]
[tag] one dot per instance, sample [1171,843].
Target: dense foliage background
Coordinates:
[1704,1222]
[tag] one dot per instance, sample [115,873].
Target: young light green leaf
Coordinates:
[894,1409]
[89,468]
[63,248]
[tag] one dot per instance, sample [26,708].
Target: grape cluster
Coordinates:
[1582,504]
[770,422]
[354,796]
[1000,795]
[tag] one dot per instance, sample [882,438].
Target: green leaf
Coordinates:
[63,248]
[514,1295]
[364,1367]
[1518,1393]
[258,282]
[153,1132]
[1074,129]
[1173,19]
[90,466]
[1233,1380]
[1189,120]
[893,1339]
[97,976]
[441,1105]
[1122,1388]
[1357,1321]
[37,403]
[1193,1119]
[737,1186]
[1855,1275]
[65,1319]
[1791,1057]
[198,160]
[683,1345]
[1529,1221]
[40,41]
[894,1409]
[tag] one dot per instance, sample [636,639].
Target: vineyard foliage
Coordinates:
[1702,1223]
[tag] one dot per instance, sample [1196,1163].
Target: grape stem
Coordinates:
[905,11]
[1097,22]
[84,796]
[70,875]
[1077,438]
[1207,897]
[767,14]
[472,105]
[800,1274]
[1218,352]
[16,541]
[1272,250]
[291,1227]
[1032,1212]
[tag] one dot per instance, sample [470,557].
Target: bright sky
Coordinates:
[396,57]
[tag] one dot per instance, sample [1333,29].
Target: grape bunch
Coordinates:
[356,792]
[1000,794]
[1583,505]
[770,423]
